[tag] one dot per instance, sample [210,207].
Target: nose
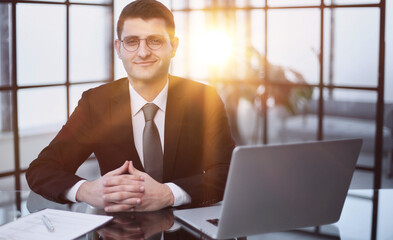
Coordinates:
[143,50]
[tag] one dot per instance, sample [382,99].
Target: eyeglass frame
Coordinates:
[146,41]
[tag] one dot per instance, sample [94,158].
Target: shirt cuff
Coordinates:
[181,196]
[71,193]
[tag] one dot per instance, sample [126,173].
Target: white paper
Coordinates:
[68,225]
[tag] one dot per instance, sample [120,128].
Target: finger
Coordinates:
[119,208]
[132,170]
[121,197]
[119,170]
[135,202]
[124,188]
[123,180]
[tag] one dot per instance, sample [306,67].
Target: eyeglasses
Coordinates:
[131,44]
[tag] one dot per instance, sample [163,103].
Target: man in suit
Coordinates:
[180,156]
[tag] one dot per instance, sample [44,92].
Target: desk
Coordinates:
[367,214]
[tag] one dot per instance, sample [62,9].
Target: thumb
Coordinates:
[120,170]
[131,169]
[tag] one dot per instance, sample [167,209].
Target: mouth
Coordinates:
[145,63]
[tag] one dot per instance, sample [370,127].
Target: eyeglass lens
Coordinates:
[153,42]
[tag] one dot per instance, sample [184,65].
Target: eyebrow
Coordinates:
[153,35]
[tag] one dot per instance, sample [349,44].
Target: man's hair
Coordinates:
[146,9]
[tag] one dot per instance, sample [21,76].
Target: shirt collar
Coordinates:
[137,101]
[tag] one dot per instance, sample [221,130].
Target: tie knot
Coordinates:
[149,110]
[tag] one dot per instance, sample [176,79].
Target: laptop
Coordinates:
[275,188]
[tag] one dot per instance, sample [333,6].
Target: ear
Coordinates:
[117,47]
[175,44]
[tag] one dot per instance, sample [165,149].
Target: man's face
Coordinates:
[145,64]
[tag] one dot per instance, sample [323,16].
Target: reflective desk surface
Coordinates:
[367,214]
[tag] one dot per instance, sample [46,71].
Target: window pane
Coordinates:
[23,183]
[90,43]
[294,115]
[362,179]
[217,45]
[204,38]
[351,46]
[258,30]
[197,65]
[91,1]
[250,3]
[5,44]
[242,103]
[41,44]
[287,113]
[41,113]
[294,42]
[389,53]
[351,114]
[76,93]
[329,2]
[179,4]
[6,134]
[212,52]
[197,4]
[250,44]
[281,3]
[6,184]
[180,63]
[243,44]
[8,201]
[388,183]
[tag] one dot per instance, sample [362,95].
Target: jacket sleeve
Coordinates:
[217,145]
[53,172]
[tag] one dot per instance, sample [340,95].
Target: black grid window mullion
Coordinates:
[380,101]
[112,56]
[17,173]
[67,83]
[321,79]
[266,81]
[15,99]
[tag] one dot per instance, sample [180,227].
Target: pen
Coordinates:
[48,223]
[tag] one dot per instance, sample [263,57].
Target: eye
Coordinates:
[131,41]
[155,40]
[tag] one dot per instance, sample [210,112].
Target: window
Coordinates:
[295,70]
[287,70]
[51,51]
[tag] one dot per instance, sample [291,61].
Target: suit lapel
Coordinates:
[173,123]
[121,123]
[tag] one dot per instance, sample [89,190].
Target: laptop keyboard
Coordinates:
[213,221]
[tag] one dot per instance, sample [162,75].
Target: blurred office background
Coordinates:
[287,70]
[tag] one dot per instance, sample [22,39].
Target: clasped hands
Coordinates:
[126,189]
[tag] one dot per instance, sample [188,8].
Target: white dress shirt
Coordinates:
[138,123]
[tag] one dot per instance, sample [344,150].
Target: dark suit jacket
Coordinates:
[197,151]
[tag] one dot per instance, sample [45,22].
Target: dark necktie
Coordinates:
[152,151]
